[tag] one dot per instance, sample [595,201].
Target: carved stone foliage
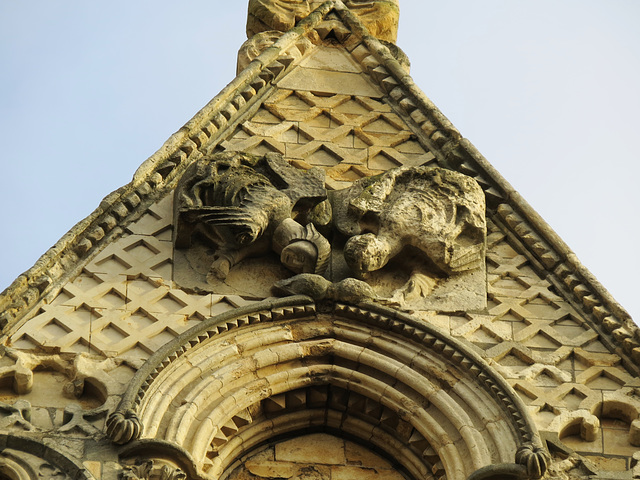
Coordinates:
[379,16]
[404,235]
[23,466]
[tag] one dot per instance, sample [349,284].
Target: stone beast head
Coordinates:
[436,211]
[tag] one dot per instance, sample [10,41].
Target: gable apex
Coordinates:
[434,129]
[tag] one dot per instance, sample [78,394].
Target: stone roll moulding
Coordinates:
[367,373]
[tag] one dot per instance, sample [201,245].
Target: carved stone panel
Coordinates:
[412,237]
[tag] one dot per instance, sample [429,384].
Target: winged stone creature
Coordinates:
[241,203]
[433,211]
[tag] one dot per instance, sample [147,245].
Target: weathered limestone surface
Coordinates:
[318,250]
[379,16]
[319,456]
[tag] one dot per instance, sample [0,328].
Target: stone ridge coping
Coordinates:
[433,128]
[124,426]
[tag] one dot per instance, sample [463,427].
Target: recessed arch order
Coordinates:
[279,369]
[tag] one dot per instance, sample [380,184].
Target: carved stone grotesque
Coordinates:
[379,16]
[240,203]
[301,248]
[437,211]
[405,235]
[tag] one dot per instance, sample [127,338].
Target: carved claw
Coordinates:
[534,458]
[218,271]
[319,288]
[314,286]
[123,427]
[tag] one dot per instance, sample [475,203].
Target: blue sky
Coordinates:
[546,89]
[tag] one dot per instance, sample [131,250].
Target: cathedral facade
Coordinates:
[317,277]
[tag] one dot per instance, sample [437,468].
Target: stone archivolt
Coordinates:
[515,337]
[295,369]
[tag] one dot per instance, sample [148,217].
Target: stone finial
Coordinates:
[379,16]
[534,458]
[280,15]
[123,427]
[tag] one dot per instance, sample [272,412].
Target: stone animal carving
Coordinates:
[437,212]
[379,16]
[239,203]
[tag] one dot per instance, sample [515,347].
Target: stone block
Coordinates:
[360,456]
[350,473]
[331,59]
[322,81]
[609,464]
[95,468]
[318,448]
[634,433]
[266,469]
[616,438]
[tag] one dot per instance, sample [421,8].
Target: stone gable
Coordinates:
[317,277]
